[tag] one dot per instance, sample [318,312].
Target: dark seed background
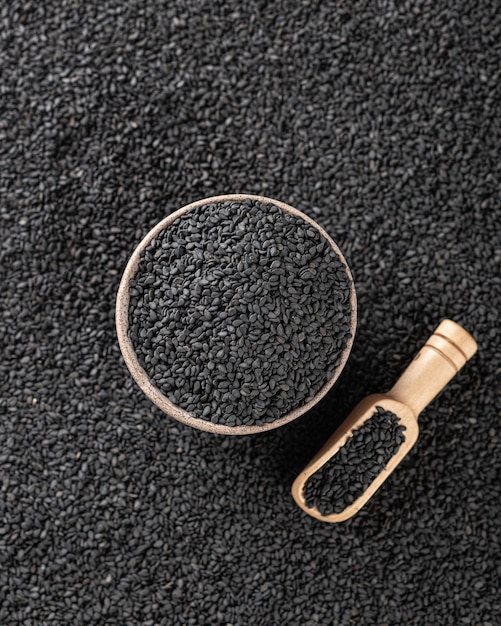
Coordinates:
[380,120]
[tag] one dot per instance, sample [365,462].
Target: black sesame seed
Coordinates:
[113,114]
[182,321]
[347,474]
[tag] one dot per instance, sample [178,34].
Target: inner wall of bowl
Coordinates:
[141,376]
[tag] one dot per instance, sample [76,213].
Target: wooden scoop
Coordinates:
[438,361]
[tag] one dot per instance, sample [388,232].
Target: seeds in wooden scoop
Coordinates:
[239,312]
[346,475]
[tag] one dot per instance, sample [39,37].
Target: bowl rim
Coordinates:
[140,375]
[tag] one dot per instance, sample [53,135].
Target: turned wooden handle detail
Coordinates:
[438,361]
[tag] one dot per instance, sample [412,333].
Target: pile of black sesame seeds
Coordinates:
[382,122]
[239,312]
[355,466]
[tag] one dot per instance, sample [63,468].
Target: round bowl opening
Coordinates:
[267,262]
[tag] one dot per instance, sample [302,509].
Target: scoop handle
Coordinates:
[438,361]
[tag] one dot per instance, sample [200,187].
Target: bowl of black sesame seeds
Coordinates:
[236,314]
